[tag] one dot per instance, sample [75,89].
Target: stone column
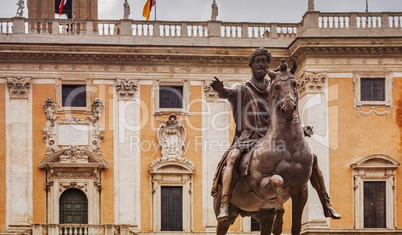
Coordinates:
[19,152]
[127,153]
[216,119]
[313,108]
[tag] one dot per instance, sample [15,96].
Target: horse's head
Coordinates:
[284,97]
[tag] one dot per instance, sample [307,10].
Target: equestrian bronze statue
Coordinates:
[269,160]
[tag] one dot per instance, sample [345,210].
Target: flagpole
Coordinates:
[367,6]
[155,9]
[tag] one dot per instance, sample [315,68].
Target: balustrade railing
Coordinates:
[186,29]
[334,20]
[78,229]
[6,26]
[371,20]
[395,20]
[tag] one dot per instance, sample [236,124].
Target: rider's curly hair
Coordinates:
[259,51]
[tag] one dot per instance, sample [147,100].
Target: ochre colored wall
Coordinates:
[2,157]
[105,92]
[193,130]
[193,126]
[40,92]
[146,156]
[352,138]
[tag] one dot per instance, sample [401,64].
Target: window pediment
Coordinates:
[376,161]
[64,158]
[173,167]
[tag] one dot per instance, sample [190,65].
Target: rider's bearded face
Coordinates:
[260,67]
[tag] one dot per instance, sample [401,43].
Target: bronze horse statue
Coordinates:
[277,168]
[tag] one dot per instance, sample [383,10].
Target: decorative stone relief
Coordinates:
[73,155]
[171,138]
[64,186]
[18,87]
[210,94]
[126,88]
[311,82]
[97,109]
[72,133]
[49,107]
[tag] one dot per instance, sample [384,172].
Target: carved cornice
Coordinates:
[347,51]
[126,88]
[18,87]
[311,82]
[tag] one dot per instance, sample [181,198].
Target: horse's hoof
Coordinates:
[330,212]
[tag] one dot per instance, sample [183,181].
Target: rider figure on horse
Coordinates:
[249,103]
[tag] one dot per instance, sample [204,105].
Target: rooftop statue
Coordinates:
[310,5]
[214,14]
[126,10]
[20,10]
[270,160]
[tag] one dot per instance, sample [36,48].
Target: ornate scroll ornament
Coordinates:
[18,87]
[49,107]
[73,155]
[171,138]
[126,88]
[97,108]
[311,82]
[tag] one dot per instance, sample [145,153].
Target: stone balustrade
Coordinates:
[202,33]
[81,229]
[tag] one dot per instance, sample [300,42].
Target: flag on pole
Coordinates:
[147,8]
[62,3]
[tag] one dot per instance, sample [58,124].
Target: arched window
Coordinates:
[73,207]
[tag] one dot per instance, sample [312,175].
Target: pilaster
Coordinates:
[313,109]
[214,143]
[18,152]
[127,153]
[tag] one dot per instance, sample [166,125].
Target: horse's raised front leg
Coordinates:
[277,183]
[299,199]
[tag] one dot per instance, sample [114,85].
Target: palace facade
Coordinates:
[110,126]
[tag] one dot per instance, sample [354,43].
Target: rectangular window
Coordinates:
[372,89]
[255,226]
[74,95]
[374,204]
[171,206]
[171,97]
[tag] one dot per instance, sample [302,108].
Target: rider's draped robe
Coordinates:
[249,103]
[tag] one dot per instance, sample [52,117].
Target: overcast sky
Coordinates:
[286,11]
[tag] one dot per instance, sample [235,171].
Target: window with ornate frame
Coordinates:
[173,91]
[74,88]
[371,169]
[362,100]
